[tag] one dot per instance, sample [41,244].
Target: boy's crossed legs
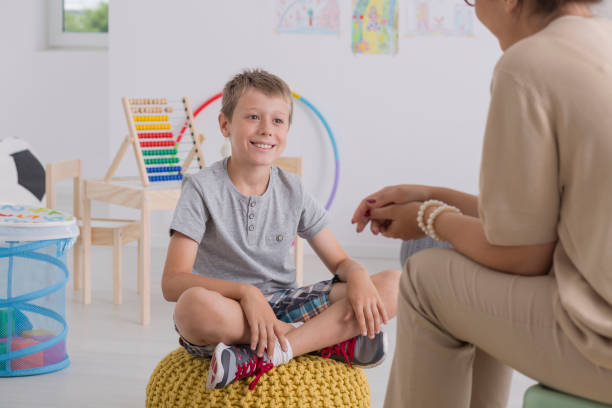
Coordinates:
[205,318]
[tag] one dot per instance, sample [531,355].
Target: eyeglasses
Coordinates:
[470,2]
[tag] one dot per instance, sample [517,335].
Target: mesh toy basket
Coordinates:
[33,276]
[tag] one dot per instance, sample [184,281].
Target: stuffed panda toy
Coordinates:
[22,176]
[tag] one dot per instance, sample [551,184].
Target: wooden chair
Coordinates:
[294,165]
[104,231]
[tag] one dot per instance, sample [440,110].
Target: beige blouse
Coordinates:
[546,172]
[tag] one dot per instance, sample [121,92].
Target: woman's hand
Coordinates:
[264,326]
[397,221]
[400,194]
[366,305]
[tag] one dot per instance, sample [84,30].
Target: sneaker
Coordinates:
[232,363]
[360,351]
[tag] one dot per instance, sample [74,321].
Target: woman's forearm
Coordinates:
[466,234]
[467,203]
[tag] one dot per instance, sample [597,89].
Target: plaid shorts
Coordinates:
[289,305]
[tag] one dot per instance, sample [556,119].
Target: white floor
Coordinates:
[112,355]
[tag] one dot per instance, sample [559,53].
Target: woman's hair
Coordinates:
[259,79]
[548,7]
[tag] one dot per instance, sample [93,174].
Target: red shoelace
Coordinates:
[345,349]
[255,365]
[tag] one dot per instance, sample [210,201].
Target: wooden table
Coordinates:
[128,192]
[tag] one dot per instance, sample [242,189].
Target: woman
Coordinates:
[528,284]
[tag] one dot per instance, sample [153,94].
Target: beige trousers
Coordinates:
[461,327]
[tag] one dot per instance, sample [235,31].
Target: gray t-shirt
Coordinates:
[246,239]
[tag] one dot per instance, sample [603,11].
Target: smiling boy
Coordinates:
[229,266]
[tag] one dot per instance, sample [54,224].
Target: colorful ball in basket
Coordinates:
[33,276]
[319,116]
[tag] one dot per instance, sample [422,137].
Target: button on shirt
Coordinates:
[251,210]
[246,239]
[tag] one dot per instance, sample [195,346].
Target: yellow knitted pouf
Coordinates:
[179,381]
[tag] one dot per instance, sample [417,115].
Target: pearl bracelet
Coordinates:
[430,230]
[421,213]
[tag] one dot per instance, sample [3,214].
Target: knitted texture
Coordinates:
[307,381]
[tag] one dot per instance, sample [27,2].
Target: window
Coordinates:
[78,23]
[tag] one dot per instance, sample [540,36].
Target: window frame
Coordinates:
[57,38]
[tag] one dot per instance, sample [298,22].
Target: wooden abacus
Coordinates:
[156,133]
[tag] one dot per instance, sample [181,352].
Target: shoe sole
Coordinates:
[381,360]
[215,361]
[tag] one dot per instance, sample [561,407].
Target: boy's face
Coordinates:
[258,128]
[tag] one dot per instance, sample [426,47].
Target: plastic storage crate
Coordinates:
[33,276]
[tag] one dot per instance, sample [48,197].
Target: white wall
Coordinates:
[416,117]
[57,100]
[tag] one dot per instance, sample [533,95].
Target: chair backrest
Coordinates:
[54,172]
[290,164]
[294,165]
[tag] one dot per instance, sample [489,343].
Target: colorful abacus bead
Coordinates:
[161,152]
[157,118]
[167,160]
[161,126]
[157,143]
[153,135]
[166,178]
[163,169]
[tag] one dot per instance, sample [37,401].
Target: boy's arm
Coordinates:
[333,256]
[362,295]
[177,276]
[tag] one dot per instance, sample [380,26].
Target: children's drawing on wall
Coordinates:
[375,26]
[439,18]
[308,16]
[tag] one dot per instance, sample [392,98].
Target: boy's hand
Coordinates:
[367,307]
[265,327]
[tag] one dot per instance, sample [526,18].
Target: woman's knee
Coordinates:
[421,274]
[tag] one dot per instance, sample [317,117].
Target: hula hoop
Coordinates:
[317,114]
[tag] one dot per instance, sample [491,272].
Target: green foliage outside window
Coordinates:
[94,20]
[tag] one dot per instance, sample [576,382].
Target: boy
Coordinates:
[229,268]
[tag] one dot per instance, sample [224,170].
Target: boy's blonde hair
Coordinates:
[263,81]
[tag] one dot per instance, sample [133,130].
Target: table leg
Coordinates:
[86,240]
[140,266]
[145,259]
[77,264]
[117,266]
